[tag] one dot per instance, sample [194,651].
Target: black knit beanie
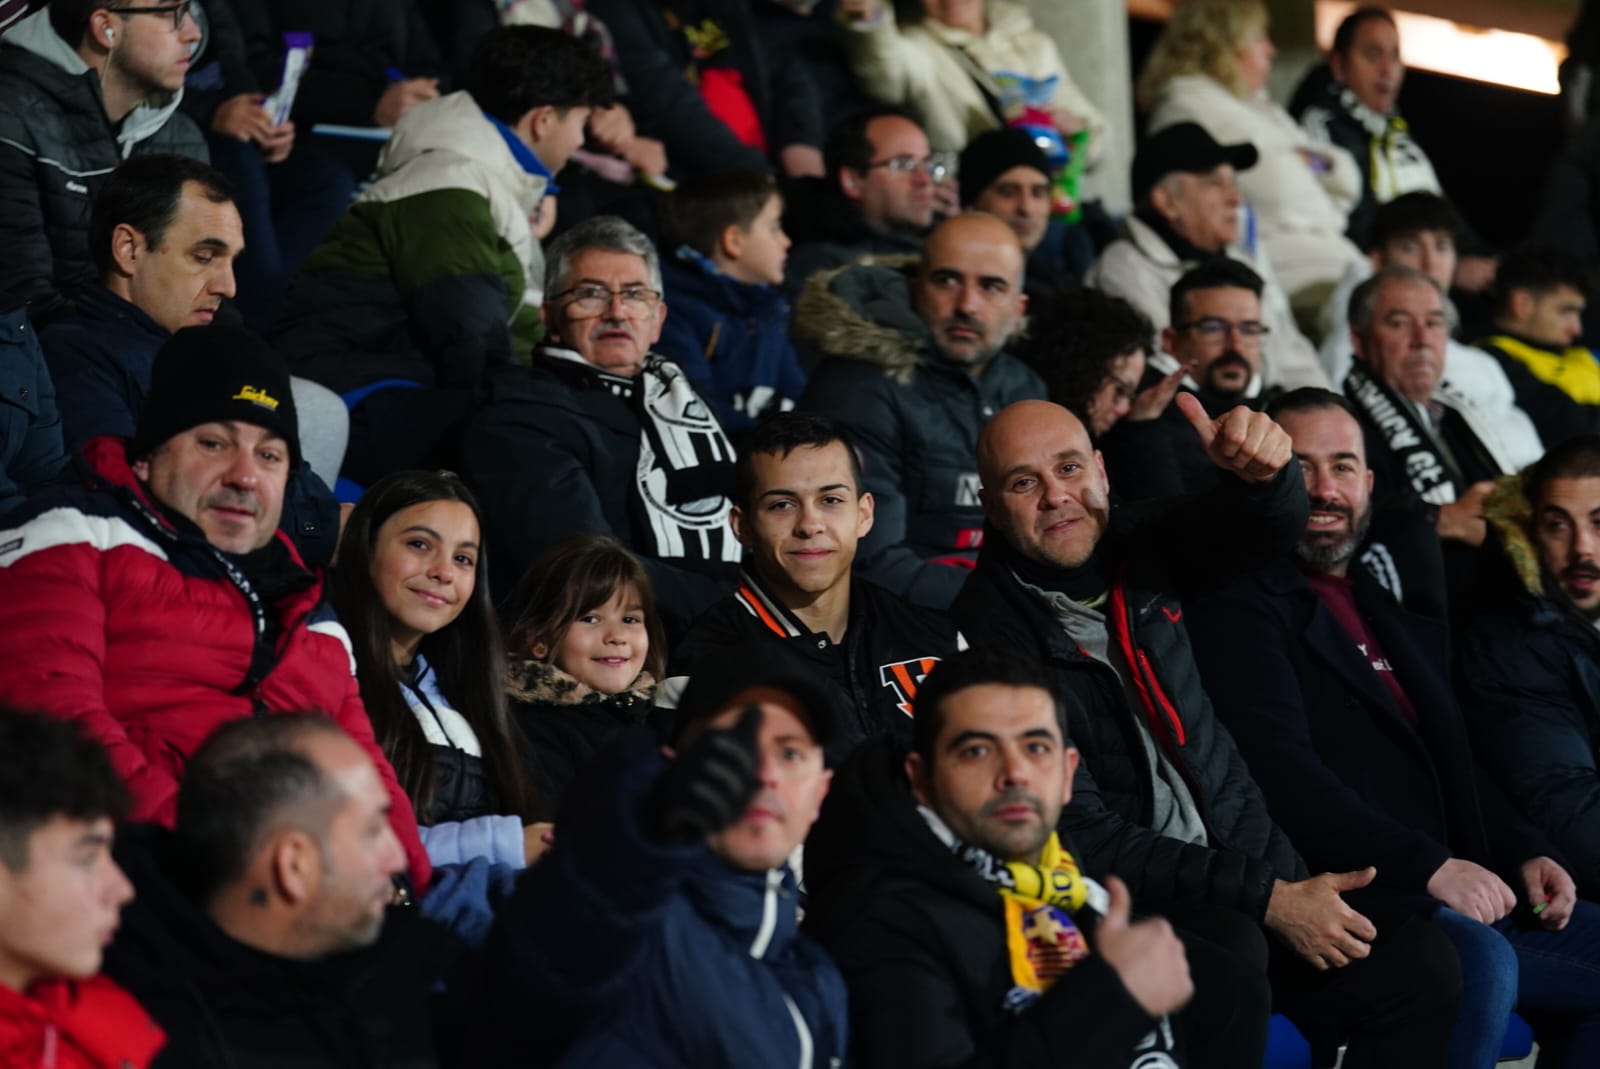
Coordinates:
[215,373]
[992,154]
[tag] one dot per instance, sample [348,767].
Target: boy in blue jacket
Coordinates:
[729,328]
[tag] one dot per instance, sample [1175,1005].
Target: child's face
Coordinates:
[766,247]
[606,646]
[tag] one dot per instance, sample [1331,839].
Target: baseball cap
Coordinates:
[1188,148]
[757,663]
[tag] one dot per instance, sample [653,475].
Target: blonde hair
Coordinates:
[1203,37]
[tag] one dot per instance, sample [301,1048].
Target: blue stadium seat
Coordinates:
[1286,1047]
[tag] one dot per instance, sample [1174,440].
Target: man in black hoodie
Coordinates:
[965,929]
[262,934]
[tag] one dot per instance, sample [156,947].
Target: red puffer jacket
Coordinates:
[89,1025]
[151,639]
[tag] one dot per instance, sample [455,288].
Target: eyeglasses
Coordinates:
[937,166]
[178,11]
[1213,328]
[592,300]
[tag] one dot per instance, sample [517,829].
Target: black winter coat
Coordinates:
[1528,668]
[223,1003]
[56,148]
[921,940]
[1345,774]
[31,449]
[1156,551]
[874,673]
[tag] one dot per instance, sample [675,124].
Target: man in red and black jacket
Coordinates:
[153,598]
[1162,797]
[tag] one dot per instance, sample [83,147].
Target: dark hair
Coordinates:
[566,581]
[1216,273]
[145,193]
[1344,38]
[250,775]
[466,656]
[848,144]
[1310,399]
[515,69]
[1538,269]
[782,434]
[703,206]
[1072,341]
[1412,213]
[1575,458]
[48,769]
[974,668]
[70,18]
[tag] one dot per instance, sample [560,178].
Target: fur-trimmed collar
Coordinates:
[542,683]
[862,311]
[1510,513]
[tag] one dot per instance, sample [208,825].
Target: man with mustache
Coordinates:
[262,932]
[965,927]
[1215,339]
[1162,796]
[662,927]
[152,597]
[916,363]
[603,436]
[1346,717]
[1529,653]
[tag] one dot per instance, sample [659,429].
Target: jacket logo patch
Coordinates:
[1170,615]
[904,677]
[76,187]
[967,486]
[256,395]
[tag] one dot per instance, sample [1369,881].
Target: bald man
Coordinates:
[1162,797]
[915,365]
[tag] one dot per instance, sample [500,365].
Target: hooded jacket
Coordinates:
[663,956]
[1302,213]
[1350,778]
[62,1024]
[731,338]
[950,78]
[434,274]
[56,148]
[31,448]
[133,625]
[226,1004]
[566,722]
[874,673]
[1153,552]
[1528,668]
[921,940]
[1141,268]
[916,419]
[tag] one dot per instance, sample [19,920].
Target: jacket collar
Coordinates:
[760,909]
[100,303]
[691,273]
[756,598]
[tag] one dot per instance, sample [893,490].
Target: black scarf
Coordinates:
[1181,246]
[1086,584]
[1405,435]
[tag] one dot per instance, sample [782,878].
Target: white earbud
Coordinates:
[111,35]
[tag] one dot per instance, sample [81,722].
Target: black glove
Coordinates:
[708,786]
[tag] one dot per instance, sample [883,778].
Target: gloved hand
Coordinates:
[708,786]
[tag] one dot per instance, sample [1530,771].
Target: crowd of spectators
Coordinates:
[682,532]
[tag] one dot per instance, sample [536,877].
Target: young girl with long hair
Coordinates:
[412,589]
[586,650]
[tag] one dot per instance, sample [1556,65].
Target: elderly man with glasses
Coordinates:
[84,85]
[603,436]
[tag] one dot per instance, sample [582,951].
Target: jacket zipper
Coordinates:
[769,915]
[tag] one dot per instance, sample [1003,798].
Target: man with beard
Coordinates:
[916,365]
[1162,796]
[1215,340]
[1530,654]
[1347,720]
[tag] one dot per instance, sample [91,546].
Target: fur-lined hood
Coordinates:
[542,683]
[1509,512]
[862,311]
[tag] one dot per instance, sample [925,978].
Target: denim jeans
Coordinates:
[1552,977]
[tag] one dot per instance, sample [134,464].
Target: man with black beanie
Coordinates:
[1005,173]
[662,926]
[152,597]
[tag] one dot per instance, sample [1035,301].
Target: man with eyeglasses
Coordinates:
[1214,343]
[1188,209]
[84,85]
[602,436]
[883,189]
